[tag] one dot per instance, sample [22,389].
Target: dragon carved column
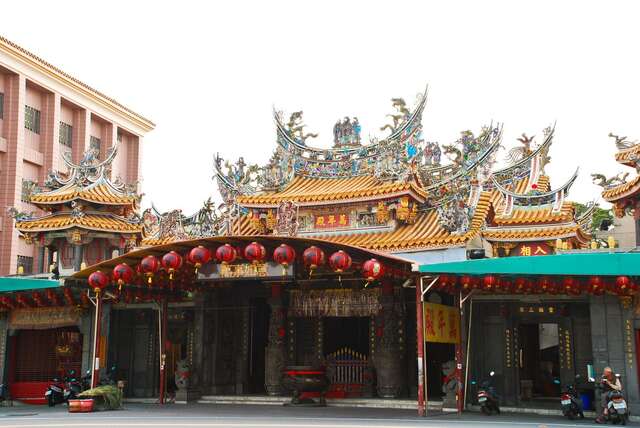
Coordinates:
[388,358]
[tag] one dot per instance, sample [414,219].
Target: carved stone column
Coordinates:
[388,358]
[275,355]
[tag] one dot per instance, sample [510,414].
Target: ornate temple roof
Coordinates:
[85,198]
[622,192]
[414,199]
[319,191]
[63,221]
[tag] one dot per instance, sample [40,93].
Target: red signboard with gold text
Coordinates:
[531,249]
[331,221]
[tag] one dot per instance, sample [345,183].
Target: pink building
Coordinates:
[45,112]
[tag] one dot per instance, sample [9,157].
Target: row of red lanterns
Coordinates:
[312,258]
[596,285]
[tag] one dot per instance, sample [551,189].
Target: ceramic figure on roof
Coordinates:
[295,126]
[346,133]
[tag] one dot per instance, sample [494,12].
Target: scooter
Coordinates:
[4,393]
[617,410]
[73,387]
[487,397]
[55,393]
[571,404]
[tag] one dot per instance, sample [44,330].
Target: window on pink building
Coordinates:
[66,134]
[32,119]
[1,105]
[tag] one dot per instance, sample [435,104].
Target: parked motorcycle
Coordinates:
[55,393]
[617,410]
[72,388]
[86,380]
[487,397]
[571,404]
[4,392]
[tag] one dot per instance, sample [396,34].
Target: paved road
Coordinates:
[247,416]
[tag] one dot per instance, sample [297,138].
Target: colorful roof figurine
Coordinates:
[84,198]
[623,193]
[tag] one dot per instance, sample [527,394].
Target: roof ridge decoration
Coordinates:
[88,173]
[554,198]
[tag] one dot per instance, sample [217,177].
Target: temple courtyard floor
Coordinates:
[247,416]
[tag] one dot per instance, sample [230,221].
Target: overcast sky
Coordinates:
[208,73]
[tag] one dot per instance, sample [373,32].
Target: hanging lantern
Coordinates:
[171,262]
[520,286]
[255,253]
[226,254]
[622,284]
[596,286]
[443,282]
[98,280]
[544,285]
[313,257]
[506,286]
[199,256]
[489,283]
[123,274]
[466,282]
[571,286]
[339,262]
[372,270]
[284,255]
[149,265]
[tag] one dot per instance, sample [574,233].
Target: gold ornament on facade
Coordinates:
[272,221]
[76,237]
[402,210]
[626,302]
[413,214]
[382,214]
[28,238]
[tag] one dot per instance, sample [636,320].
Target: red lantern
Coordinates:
[149,265]
[171,262]
[596,286]
[466,282]
[255,253]
[340,261]
[443,282]
[226,254]
[623,284]
[199,256]
[313,257]
[123,274]
[490,282]
[544,285]
[571,286]
[284,255]
[372,270]
[98,281]
[506,286]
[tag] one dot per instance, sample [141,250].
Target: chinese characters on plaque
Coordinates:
[331,221]
[531,249]
[628,342]
[441,323]
[507,348]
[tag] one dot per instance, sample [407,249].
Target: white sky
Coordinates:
[208,73]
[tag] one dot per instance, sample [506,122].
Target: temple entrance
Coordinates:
[539,361]
[258,337]
[346,332]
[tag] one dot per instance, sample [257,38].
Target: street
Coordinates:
[248,416]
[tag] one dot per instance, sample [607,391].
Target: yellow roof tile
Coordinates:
[305,190]
[105,223]
[625,190]
[100,193]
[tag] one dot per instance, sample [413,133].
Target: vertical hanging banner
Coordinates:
[441,323]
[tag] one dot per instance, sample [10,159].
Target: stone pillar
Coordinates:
[85,327]
[77,257]
[41,260]
[275,355]
[629,350]
[13,123]
[195,382]
[388,360]
[3,346]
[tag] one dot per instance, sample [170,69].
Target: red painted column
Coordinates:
[420,343]
[163,349]
[97,327]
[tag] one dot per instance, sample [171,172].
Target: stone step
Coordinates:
[335,402]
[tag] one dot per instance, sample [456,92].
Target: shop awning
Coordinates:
[16,283]
[579,264]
